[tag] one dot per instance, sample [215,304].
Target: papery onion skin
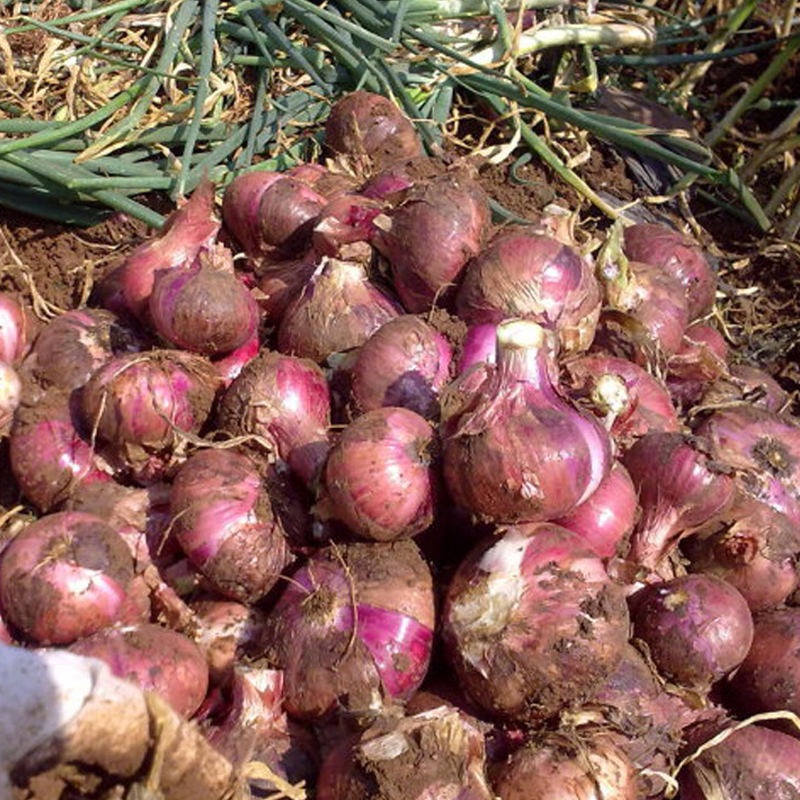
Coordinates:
[344,220]
[156,659]
[327,664]
[187,232]
[379,478]
[753,762]
[532,622]
[339,309]
[138,404]
[698,628]
[749,384]
[752,547]
[10,396]
[701,359]
[536,277]
[769,677]
[430,237]
[668,249]
[520,453]
[479,346]
[16,328]
[365,125]
[65,576]
[330,184]
[286,401]
[431,755]
[280,280]
[606,518]
[763,448]
[680,488]
[588,767]
[205,308]
[404,363]
[224,522]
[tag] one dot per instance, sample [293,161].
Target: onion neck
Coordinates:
[522,353]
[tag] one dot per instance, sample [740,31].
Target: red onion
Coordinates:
[240,206]
[353,630]
[632,400]
[404,363]
[752,762]
[284,400]
[749,385]
[701,359]
[752,547]
[230,366]
[564,766]
[49,457]
[763,448]
[223,521]
[479,346]
[675,254]
[697,628]
[522,453]
[16,328]
[605,519]
[532,622]
[433,755]
[186,233]
[680,488]
[156,659]
[70,348]
[204,307]
[536,277]
[429,238]
[769,678]
[10,396]
[344,220]
[281,281]
[370,128]
[378,476]
[228,633]
[140,403]
[654,299]
[65,576]
[339,309]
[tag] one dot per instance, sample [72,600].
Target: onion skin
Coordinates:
[680,488]
[65,576]
[135,402]
[286,214]
[286,401]
[344,220]
[745,383]
[431,755]
[769,677]
[532,622]
[204,308]
[404,363]
[698,628]
[223,521]
[430,237]
[701,359]
[10,396]
[606,518]
[156,659]
[338,310]
[519,452]
[326,182]
[230,365]
[754,762]
[371,128]
[327,665]
[559,766]
[763,449]
[754,548]
[187,232]
[280,281]
[379,480]
[533,276]
[671,251]
[479,346]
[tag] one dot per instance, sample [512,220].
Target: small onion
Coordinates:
[65,576]
[404,363]
[532,622]
[223,521]
[284,400]
[671,251]
[697,628]
[339,309]
[138,404]
[536,277]
[378,476]
[353,630]
[156,659]
[521,453]
[429,238]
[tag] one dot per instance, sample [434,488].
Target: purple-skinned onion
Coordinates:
[17,328]
[479,346]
